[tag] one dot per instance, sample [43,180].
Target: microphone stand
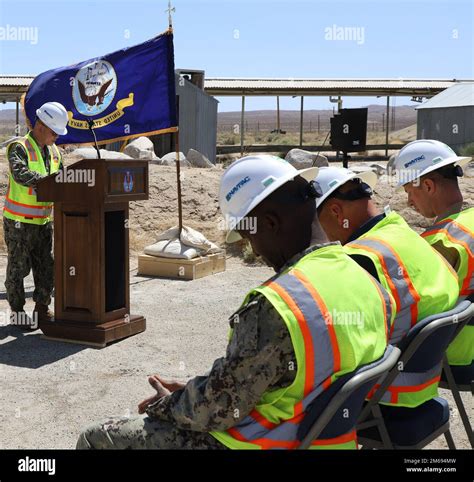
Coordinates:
[90,123]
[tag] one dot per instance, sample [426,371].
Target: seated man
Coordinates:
[433,190]
[288,342]
[420,280]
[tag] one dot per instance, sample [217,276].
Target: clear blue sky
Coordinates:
[255,38]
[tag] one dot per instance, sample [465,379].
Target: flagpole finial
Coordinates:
[170,10]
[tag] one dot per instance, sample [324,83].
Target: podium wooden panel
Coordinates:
[91,249]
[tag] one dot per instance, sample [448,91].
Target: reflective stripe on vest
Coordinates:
[20,202]
[26,210]
[405,295]
[460,235]
[322,362]
[406,383]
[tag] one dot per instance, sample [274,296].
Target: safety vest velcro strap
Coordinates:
[27,210]
[401,286]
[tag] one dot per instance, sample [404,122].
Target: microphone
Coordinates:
[90,123]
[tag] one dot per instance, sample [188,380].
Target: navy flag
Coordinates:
[127,94]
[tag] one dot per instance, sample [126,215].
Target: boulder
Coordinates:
[170,160]
[379,169]
[141,148]
[302,159]
[196,159]
[91,153]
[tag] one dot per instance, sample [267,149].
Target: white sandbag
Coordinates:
[191,244]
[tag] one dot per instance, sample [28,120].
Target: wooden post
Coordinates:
[301,121]
[387,116]
[178,183]
[278,114]
[242,120]
[17,117]
[178,174]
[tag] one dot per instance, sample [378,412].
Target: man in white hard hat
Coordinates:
[421,282]
[428,171]
[288,344]
[27,222]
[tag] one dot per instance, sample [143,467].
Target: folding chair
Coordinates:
[336,411]
[422,349]
[460,379]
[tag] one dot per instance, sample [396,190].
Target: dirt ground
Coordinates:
[51,390]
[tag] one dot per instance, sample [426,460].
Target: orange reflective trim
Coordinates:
[411,287]
[237,435]
[396,390]
[393,289]
[258,417]
[470,256]
[266,443]
[341,439]
[383,305]
[303,325]
[326,315]
[23,215]
[46,206]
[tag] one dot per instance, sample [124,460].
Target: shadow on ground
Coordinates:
[29,350]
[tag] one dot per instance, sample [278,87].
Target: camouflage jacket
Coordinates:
[21,173]
[260,357]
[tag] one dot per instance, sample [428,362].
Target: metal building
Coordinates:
[448,116]
[197,117]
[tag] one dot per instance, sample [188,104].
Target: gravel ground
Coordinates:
[51,390]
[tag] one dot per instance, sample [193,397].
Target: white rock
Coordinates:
[302,159]
[170,160]
[196,159]
[91,153]
[141,148]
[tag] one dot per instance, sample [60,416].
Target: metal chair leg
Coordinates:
[459,403]
[449,440]
[377,413]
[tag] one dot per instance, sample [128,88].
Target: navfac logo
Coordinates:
[235,189]
[413,161]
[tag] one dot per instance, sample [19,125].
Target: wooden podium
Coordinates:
[91,250]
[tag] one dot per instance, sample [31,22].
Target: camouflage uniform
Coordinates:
[29,245]
[259,358]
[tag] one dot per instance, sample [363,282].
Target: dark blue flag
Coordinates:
[128,93]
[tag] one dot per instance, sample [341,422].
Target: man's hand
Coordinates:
[161,391]
[171,385]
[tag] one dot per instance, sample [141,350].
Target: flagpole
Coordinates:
[178,172]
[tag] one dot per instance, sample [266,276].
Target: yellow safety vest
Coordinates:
[422,284]
[20,202]
[457,232]
[327,344]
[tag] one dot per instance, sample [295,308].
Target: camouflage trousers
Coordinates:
[143,433]
[29,248]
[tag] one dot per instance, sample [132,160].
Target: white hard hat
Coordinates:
[332,178]
[420,157]
[54,115]
[248,181]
